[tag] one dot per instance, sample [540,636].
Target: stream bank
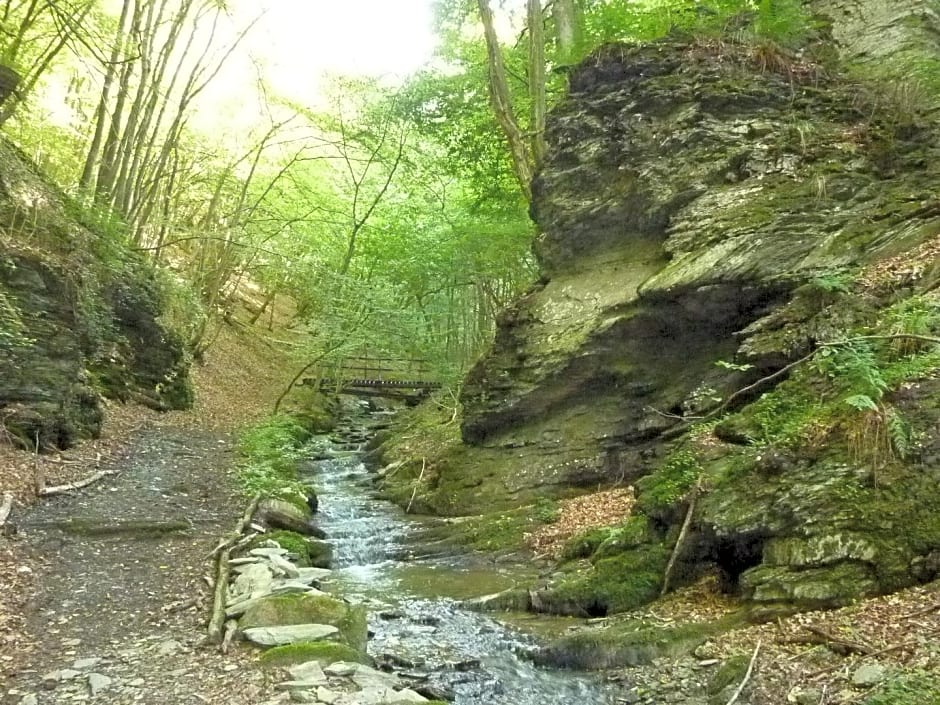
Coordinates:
[419,631]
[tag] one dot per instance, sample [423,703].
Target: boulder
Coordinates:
[280,514]
[348,620]
[288,634]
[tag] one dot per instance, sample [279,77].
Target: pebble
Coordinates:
[98,682]
[85,663]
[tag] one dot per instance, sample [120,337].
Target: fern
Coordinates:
[899,433]
[861,402]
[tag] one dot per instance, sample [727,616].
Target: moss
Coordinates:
[585,544]
[310,609]
[289,541]
[270,452]
[324,651]
[910,688]
[629,643]
[632,533]
[613,584]
[502,531]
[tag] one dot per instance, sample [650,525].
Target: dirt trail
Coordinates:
[136,601]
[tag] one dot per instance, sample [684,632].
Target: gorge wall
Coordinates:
[712,213]
[79,318]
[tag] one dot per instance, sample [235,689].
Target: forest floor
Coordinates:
[118,616]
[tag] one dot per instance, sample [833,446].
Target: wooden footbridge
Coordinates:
[409,379]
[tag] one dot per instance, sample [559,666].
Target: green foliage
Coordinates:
[836,283]
[914,687]
[585,544]
[915,315]
[669,484]
[270,451]
[783,21]
[733,366]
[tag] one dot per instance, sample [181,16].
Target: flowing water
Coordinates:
[427,636]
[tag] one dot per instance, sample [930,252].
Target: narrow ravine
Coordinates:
[427,638]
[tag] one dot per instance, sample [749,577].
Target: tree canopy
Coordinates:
[392,214]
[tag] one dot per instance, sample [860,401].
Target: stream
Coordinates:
[417,623]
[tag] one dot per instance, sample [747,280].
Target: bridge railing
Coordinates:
[375,372]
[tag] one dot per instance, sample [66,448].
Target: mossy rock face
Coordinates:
[310,609]
[614,583]
[80,318]
[631,643]
[325,652]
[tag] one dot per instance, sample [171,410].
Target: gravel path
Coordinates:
[119,617]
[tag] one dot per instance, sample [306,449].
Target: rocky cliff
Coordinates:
[78,318]
[731,236]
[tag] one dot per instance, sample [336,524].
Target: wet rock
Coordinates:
[395,661]
[289,634]
[433,692]
[278,514]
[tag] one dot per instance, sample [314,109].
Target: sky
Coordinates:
[300,43]
[301,40]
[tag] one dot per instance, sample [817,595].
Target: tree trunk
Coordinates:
[107,170]
[502,104]
[568,25]
[101,113]
[536,81]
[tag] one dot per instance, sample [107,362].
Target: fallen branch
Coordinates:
[224,551]
[927,610]
[843,646]
[873,654]
[417,483]
[693,498]
[747,676]
[231,627]
[217,618]
[239,527]
[77,485]
[6,507]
